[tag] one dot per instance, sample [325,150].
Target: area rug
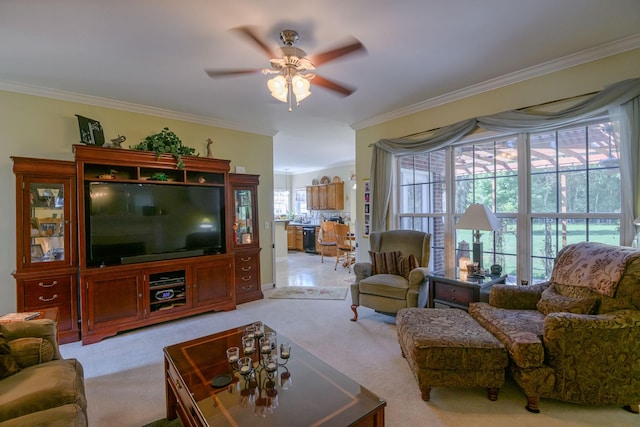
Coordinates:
[309,292]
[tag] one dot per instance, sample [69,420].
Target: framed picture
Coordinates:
[50,226]
[36,252]
[367,207]
[91,132]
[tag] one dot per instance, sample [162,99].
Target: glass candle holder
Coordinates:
[259,329]
[270,363]
[233,355]
[265,345]
[245,365]
[250,331]
[285,350]
[248,345]
[272,339]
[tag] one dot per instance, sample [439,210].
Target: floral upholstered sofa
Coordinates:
[576,337]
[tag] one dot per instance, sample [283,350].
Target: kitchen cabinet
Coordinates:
[299,238]
[46,255]
[326,196]
[291,237]
[246,241]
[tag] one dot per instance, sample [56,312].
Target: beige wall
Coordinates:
[33,126]
[577,80]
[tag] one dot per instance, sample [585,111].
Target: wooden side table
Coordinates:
[456,293]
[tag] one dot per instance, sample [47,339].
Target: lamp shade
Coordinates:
[278,88]
[478,217]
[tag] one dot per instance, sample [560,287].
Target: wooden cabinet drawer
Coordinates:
[455,294]
[247,276]
[51,292]
[47,291]
[246,273]
[185,406]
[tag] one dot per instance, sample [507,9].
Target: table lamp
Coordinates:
[478,217]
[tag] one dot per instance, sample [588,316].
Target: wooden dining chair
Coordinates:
[327,238]
[344,245]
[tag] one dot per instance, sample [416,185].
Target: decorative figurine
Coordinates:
[209,142]
[117,142]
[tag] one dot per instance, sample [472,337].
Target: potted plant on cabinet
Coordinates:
[165,142]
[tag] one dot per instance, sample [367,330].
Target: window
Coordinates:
[423,200]
[548,189]
[280,202]
[575,191]
[301,201]
[486,172]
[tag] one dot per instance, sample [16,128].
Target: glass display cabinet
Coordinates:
[46,260]
[246,241]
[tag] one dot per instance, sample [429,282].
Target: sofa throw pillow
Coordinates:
[384,262]
[552,302]
[406,264]
[31,351]
[8,365]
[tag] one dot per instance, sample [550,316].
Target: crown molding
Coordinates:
[588,55]
[127,106]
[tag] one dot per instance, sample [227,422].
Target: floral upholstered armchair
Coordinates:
[576,337]
[396,277]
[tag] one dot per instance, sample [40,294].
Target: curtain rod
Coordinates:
[569,98]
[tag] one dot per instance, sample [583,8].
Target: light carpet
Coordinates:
[125,376]
[309,292]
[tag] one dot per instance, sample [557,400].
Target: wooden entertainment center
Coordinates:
[139,290]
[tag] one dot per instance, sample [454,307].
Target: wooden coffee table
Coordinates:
[315,394]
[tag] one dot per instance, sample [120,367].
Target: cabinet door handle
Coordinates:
[245,268]
[51,285]
[246,288]
[41,298]
[246,278]
[245,259]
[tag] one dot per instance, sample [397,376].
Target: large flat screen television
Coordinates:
[129,222]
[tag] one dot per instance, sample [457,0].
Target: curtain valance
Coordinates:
[613,96]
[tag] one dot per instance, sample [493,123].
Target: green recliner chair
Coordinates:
[395,284]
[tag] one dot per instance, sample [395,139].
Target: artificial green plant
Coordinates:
[165,142]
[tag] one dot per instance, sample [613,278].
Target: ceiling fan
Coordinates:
[294,69]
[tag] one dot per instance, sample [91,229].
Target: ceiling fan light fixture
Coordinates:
[300,87]
[278,88]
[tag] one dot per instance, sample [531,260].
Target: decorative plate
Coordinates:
[325,180]
[336,179]
[314,181]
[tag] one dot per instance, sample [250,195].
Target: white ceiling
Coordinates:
[153,53]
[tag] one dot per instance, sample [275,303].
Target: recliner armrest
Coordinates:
[600,340]
[362,270]
[516,297]
[418,275]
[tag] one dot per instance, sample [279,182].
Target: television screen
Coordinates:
[130,222]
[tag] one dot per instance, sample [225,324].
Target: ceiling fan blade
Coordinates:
[228,73]
[336,53]
[331,85]
[250,33]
